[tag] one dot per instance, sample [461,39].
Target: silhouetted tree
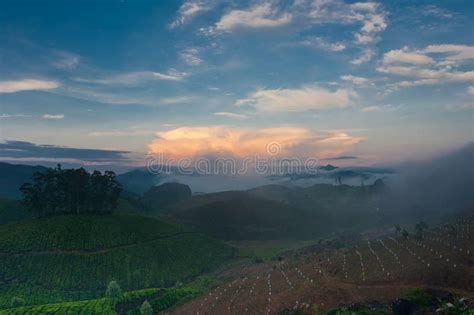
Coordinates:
[419,230]
[398,228]
[71,191]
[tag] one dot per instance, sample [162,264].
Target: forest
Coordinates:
[71,191]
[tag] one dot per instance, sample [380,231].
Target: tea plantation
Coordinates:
[68,258]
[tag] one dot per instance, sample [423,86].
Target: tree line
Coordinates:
[73,191]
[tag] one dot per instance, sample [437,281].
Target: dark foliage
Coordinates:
[75,191]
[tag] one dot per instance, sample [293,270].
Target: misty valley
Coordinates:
[74,241]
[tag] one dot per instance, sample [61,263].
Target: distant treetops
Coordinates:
[73,191]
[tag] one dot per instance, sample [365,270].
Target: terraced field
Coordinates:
[69,258]
[380,269]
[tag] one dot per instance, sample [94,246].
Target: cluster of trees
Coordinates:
[73,191]
[419,229]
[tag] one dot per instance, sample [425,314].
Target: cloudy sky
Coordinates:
[373,81]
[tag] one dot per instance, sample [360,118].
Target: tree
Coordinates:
[17,302]
[146,309]
[419,230]
[113,291]
[405,234]
[398,228]
[71,191]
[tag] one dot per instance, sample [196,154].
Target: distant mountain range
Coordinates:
[12,176]
[139,180]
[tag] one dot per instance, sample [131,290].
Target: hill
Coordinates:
[74,257]
[245,218]
[137,181]
[280,212]
[11,211]
[362,277]
[158,197]
[15,175]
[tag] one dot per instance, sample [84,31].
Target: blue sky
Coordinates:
[380,81]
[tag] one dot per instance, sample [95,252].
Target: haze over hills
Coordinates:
[175,236]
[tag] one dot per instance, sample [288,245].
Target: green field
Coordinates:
[11,211]
[74,257]
[129,303]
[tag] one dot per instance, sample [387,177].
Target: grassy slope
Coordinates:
[11,211]
[245,218]
[129,303]
[74,257]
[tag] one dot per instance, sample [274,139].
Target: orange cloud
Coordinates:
[193,142]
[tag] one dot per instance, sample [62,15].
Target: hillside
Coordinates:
[74,257]
[280,212]
[11,211]
[13,176]
[366,277]
[245,218]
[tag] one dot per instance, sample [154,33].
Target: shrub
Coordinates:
[17,301]
[420,298]
[146,308]
[114,291]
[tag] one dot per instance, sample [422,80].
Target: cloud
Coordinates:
[320,43]
[301,99]
[230,115]
[414,83]
[459,107]
[435,11]
[134,78]
[342,157]
[22,149]
[45,116]
[53,117]
[379,109]
[451,53]
[175,100]
[120,133]
[357,80]
[263,15]
[27,85]
[14,115]
[438,75]
[190,56]
[403,56]
[369,15]
[187,11]
[223,141]
[470,90]
[365,56]
[434,64]
[66,60]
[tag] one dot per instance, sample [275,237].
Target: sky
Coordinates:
[350,82]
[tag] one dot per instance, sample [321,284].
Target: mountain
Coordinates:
[282,212]
[74,257]
[166,194]
[138,180]
[12,176]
